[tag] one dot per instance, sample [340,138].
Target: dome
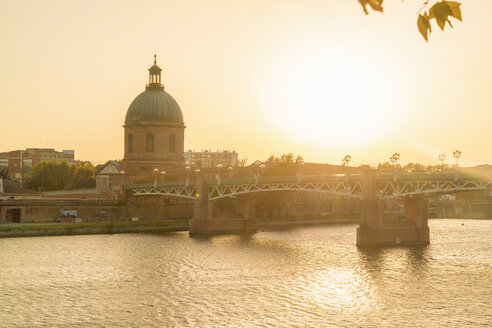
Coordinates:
[154,106]
[155,68]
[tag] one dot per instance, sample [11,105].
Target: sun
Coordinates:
[334,98]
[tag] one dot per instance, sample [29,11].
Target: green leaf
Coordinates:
[455,9]
[424,26]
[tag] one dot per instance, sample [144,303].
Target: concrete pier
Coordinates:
[374,232]
[203,221]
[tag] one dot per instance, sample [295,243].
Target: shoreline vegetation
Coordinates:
[68,229]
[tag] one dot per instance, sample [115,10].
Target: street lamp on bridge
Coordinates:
[394,159]
[257,163]
[230,171]
[155,177]
[346,160]
[442,158]
[299,174]
[457,155]
[219,166]
[187,168]
[262,166]
[122,187]
[163,173]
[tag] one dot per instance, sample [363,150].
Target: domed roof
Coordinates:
[154,106]
[155,68]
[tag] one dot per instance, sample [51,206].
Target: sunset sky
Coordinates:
[313,77]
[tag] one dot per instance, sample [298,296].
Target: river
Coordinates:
[303,277]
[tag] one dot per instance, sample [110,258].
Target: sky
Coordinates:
[316,78]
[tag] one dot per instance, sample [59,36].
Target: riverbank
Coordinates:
[67,229]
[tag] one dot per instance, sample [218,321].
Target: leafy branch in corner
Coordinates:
[441,12]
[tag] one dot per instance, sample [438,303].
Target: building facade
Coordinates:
[208,158]
[21,162]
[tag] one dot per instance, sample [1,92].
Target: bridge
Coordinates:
[370,188]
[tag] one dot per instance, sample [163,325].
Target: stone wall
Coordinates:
[48,210]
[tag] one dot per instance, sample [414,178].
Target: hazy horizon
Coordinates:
[316,78]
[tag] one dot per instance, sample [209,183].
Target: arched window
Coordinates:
[130,143]
[172,143]
[150,143]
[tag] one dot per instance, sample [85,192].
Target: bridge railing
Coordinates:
[380,178]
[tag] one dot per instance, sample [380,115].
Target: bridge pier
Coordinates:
[374,231]
[203,221]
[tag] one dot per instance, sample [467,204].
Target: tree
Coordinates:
[84,177]
[414,168]
[440,11]
[387,167]
[286,164]
[48,176]
[241,162]
[5,173]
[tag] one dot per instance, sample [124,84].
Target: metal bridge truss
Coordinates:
[397,189]
[386,190]
[187,192]
[348,189]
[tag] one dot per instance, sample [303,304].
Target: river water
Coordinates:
[304,277]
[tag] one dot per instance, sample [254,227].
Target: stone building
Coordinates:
[153,135]
[208,158]
[21,162]
[154,131]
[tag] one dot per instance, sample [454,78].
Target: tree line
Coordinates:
[48,176]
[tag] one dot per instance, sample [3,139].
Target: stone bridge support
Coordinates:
[375,231]
[203,221]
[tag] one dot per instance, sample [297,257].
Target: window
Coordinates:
[130,143]
[150,143]
[172,143]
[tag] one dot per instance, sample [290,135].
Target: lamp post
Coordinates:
[197,171]
[346,160]
[155,177]
[442,158]
[187,168]
[457,155]
[163,173]
[74,177]
[230,171]
[262,166]
[299,175]
[122,190]
[257,163]
[22,167]
[394,159]
[219,166]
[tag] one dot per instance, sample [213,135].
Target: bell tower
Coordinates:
[155,77]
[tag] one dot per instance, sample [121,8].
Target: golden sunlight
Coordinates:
[335,98]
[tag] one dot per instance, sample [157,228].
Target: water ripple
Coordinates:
[309,277]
